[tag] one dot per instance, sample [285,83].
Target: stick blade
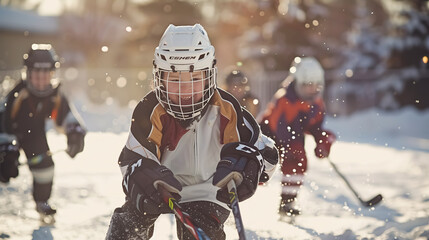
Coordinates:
[374,201]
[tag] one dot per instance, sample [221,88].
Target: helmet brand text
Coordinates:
[182,58]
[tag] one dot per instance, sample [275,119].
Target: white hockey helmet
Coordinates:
[309,76]
[184,49]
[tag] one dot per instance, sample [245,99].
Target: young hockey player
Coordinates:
[296,110]
[23,114]
[190,138]
[238,85]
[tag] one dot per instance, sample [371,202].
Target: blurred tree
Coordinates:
[300,28]
[409,55]
[388,54]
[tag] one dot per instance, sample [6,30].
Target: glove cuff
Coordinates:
[75,128]
[236,176]
[159,183]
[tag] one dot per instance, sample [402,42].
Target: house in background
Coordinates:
[18,30]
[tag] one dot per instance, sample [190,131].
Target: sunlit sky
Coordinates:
[56,7]
[52,7]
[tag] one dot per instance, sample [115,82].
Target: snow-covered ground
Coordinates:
[378,152]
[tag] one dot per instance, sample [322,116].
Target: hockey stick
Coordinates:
[38,158]
[373,201]
[197,232]
[233,203]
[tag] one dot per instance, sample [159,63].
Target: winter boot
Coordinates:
[45,209]
[288,208]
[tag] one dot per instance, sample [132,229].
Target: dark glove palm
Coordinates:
[9,155]
[75,140]
[242,163]
[141,184]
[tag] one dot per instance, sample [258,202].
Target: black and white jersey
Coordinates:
[193,152]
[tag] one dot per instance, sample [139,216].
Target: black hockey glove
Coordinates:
[75,139]
[141,183]
[9,155]
[242,163]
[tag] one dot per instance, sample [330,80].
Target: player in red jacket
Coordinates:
[296,110]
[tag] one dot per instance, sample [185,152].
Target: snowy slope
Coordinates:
[383,153]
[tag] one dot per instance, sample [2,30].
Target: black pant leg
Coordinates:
[35,146]
[127,223]
[210,217]
[43,176]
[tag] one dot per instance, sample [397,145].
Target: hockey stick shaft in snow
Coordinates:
[373,201]
[233,202]
[197,232]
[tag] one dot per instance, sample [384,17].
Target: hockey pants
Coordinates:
[41,165]
[294,166]
[127,223]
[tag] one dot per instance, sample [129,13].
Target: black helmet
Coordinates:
[236,77]
[41,56]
